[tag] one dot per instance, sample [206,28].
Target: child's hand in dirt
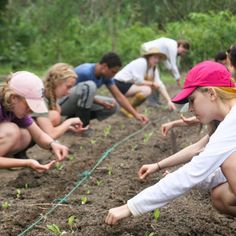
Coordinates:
[60,150]
[76,125]
[142,118]
[108,105]
[166,173]
[116,214]
[146,170]
[165,128]
[35,165]
[171,106]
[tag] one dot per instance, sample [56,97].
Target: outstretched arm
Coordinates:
[181,157]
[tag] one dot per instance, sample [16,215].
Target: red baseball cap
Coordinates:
[206,73]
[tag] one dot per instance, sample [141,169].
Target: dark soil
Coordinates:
[111,184]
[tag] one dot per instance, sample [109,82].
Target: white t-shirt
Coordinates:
[135,72]
[169,48]
[221,145]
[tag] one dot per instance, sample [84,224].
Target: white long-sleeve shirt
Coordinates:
[220,146]
[169,48]
[135,72]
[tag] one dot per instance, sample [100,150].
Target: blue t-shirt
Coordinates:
[86,72]
[10,117]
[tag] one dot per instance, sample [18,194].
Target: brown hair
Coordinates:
[58,73]
[184,43]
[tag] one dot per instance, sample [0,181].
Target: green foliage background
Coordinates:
[39,33]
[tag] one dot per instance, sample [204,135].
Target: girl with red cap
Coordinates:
[212,98]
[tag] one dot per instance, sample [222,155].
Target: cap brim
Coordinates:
[183,95]
[37,106]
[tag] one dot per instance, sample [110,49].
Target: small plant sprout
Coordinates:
[71,222]
[147,112]
[122,126]
[147,136]
[55,230]
[156,214]
[134,147]
[107,130]
[81,147]
[5,205]
[71,157]
[109,170]
[88,191]
[93,141]
[99,182]
[150,234]
[59,166]
[26,186]
[18,193]
[84,200]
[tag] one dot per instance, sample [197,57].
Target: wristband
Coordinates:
[50,144]
[158,166]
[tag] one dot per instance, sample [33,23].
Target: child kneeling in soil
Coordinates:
[212,97]
[137,79]
[21,95]
[59,79]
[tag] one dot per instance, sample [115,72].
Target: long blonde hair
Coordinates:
[56,74]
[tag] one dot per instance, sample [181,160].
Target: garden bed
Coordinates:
[31,201]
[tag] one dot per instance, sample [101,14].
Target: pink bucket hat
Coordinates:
[206,73]
[31,87]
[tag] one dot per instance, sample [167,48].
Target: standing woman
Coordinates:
[20,96]
[59,79]
[137,79]
[212,97]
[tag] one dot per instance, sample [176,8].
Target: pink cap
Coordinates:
[31,87]
[206,73]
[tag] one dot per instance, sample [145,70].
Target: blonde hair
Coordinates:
[6,93]
[57,74]
[224,93]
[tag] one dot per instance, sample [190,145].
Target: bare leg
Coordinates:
[134,89]
[224,200]
[224,195]
[12,138]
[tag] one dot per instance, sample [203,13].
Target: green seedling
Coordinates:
[18,193]
[93,141]
[71,157]
[107,130]
[71,222]
[109,170]
[81,147]
[147,136]
[88,192]
[147,112]
[134,147]
[84,200]
[149,234]
[99,182]
[59,166]
[156,214]
[122,126]
[55,230]
[26,186]
[5,205]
